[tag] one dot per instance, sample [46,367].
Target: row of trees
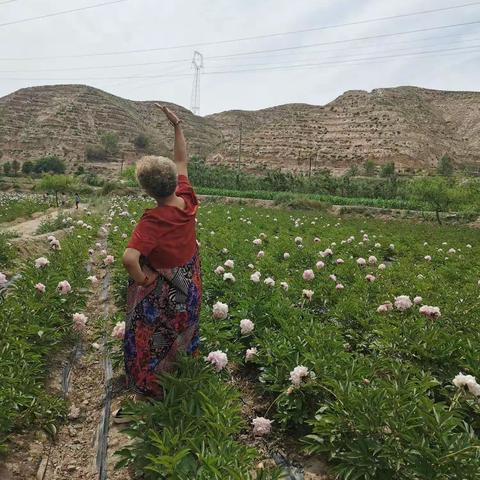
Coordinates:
[445,168]
[50,164]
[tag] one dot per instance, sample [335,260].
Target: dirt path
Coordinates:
[83,447]
[29,227]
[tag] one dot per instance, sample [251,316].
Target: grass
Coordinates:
[15,205]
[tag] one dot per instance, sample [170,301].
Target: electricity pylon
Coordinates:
[197,63]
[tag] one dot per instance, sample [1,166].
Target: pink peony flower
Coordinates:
[298,240]
[428,258]
[79,321]
[417,300]
[219,270]
[261,426]
[339,286]
[220,310]
[255,277]
[93,279]
[55,244]
[41,262]
[108,260]
[284,285]
[308,275]
[64,287]
[3,279]
[468,381]
[250,354]
[297,374]
[430,312]
[246,326]
[269,282]
[229,264]
[260,254]
[372,260]
[319,265]
[257,241]
[361,262]
[316,239]
[370,278]
[340,261]
[228,277]
[385,307]
[119,330]
[308,294]
[382,266]
[218,359]
[403,302]
[286,256]
[40,287]
[333,277]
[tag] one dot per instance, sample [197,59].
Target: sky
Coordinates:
[143,49]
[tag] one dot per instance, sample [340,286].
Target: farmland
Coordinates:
[357,332]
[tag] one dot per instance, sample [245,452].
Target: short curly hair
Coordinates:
[157,175]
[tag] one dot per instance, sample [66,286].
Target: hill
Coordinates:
[411,126]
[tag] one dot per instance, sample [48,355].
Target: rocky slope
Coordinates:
[411,126]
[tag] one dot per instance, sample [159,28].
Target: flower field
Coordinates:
[37,302]
[352,340]
[15,205]
[353,334]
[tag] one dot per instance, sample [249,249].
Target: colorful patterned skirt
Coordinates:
[162,320]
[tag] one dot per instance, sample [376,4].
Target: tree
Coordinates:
[109,142]
[445,166]
[369,168]
[27,167]
[7,168]
[438,193]
[15,167]
[388,170]
[96,153]
[56,183]
[80,170]
[50,163]
[141,141]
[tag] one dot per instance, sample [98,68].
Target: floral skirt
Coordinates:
[162,320]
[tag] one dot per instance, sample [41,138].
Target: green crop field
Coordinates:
[350,340]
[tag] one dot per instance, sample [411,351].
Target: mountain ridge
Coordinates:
[409,125]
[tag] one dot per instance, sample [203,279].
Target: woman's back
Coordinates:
[165,235]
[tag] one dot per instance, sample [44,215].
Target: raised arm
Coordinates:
[180,145]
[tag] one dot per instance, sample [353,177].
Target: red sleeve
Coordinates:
[185,190]
[143,237]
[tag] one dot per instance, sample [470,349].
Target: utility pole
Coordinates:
[197,63]
[239,153]
[121,164]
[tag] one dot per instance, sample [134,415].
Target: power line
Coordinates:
[63,12]
[335,42]
[271,57]
[232,40]
[284,67]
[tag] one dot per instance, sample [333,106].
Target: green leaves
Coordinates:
[191,433]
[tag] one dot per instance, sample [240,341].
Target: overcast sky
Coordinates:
[268,78]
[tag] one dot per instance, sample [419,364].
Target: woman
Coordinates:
[165,288]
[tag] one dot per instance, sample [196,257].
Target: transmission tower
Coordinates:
[197,63]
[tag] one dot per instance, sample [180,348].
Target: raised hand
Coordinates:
[171,116]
